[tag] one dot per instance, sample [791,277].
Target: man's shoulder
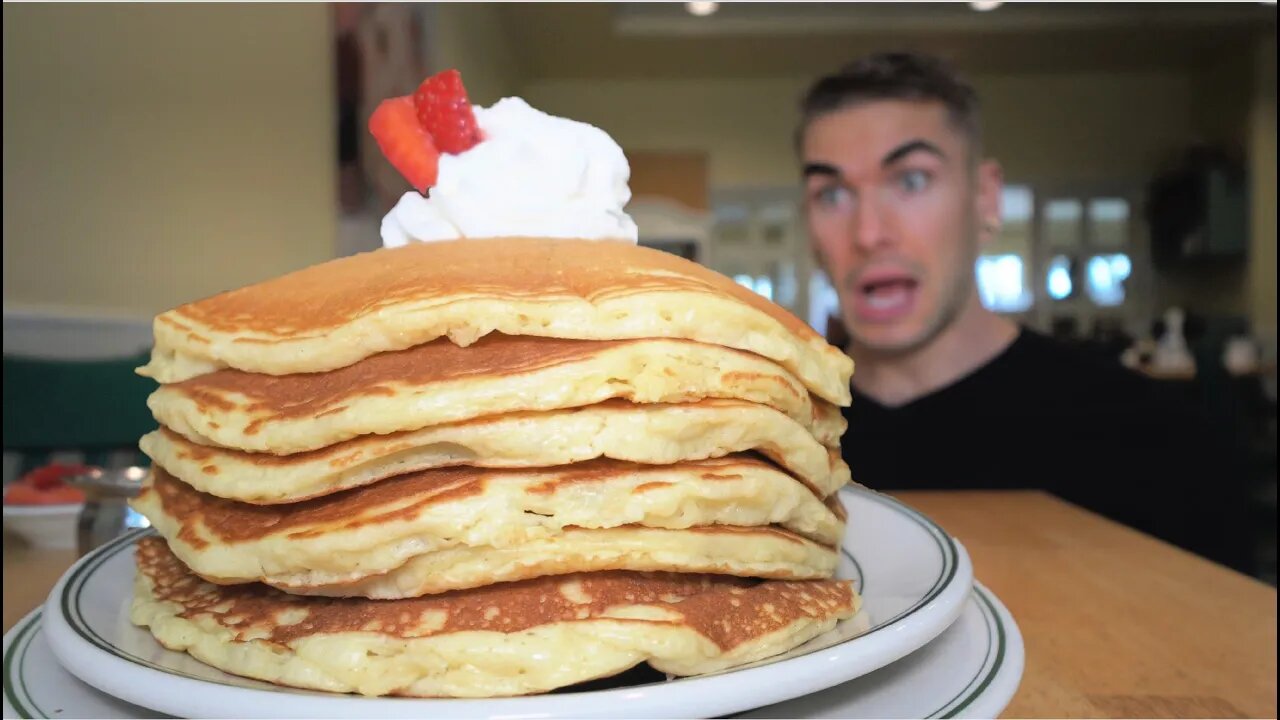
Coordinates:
[1034,347]
[1049,362]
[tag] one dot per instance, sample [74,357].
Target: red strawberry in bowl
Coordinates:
[444,110]
[46,486]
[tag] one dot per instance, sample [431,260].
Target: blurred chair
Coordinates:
[75,411]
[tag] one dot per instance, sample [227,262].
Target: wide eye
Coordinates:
[829,196]
[913,181]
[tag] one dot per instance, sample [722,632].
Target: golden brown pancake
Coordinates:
[347,537]
[508,639]
[759,552]
[335,314]
[439,382]
[657,434]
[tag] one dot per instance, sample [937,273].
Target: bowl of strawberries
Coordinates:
[43,506]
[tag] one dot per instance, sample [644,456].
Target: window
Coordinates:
[787,292]
[823,301]
[1058,280]
[1063,224]
[757,241]
[1106,275]
[1002,270]
[761,284]
[764,286]
[1001,283]
[732,223]
[1108,222]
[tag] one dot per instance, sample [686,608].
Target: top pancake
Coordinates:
[334,314]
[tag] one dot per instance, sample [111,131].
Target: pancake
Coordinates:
[758,552]
[349,536]
[510,639]
[393,299]
[439,383]
[653,434]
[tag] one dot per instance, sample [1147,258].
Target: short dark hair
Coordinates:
[896,76]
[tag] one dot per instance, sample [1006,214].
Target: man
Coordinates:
[899,200]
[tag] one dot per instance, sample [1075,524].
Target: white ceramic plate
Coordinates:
[913,577]
[970,671]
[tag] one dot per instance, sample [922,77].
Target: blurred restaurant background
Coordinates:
[154,154]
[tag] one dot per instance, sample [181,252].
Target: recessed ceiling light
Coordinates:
[985,5]
[702,8]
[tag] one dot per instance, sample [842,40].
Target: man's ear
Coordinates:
[990,184]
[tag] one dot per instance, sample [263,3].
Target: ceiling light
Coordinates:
[702,8]
[985,5]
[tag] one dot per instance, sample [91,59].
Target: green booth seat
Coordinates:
[89,411]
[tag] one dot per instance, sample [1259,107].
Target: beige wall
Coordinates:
[155,154]
[471,37]
[1052,127]
[743,125]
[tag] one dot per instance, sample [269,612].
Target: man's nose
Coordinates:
[871,227]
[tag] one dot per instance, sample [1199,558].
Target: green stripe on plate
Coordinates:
[992,617]
[71,609]
[14,662]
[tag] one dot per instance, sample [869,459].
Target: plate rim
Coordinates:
[946,600]
[1008,660]
[993,693]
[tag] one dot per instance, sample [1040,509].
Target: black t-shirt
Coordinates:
[1047,416]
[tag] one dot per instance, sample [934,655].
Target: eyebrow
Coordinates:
[909,147]
[814,168]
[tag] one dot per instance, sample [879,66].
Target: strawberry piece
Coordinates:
[52,475]
[443,109]
[23,494]
[404,142]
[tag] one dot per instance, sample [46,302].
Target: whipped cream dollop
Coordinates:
[533,174]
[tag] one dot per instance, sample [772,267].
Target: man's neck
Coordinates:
[972,340]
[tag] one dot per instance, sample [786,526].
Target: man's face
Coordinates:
[896,208]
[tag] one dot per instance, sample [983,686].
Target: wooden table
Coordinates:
[1116,624]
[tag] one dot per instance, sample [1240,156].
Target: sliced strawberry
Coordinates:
[52,475]
[22,494]
[444,110]
[404,142]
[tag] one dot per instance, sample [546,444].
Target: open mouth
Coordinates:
[885,298]
[888,293]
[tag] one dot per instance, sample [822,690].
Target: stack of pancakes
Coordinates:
[497,467]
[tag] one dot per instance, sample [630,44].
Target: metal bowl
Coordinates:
[106,513]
